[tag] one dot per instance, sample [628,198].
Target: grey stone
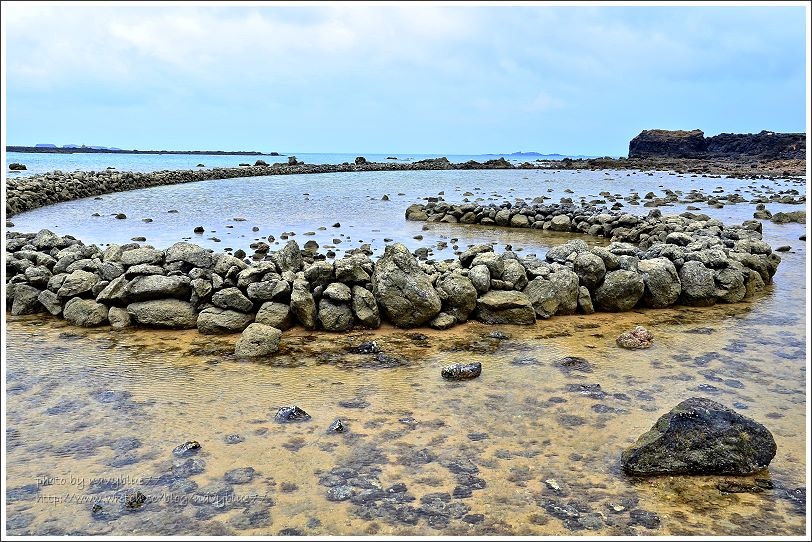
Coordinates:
[232,298]
[661,280]
[403,291]
[78,283]
[258,340]
[148,287]
[303,305]
[698,286]
[505,307]
[458,295]
[214,320]
[275,314]
[170,313]
[620,291]
[365,307]
[335,316]
[85,312]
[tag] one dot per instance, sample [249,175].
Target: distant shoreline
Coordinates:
[89,150]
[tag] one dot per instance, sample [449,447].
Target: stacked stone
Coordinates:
[653,262]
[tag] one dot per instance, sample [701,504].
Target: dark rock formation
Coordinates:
[461,371]
[700,436]
[764,145]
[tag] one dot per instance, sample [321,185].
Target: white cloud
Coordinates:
[544,102]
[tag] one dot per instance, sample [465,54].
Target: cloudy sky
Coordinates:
[397,78]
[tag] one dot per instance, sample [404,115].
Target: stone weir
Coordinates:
[27,193]
[655,261]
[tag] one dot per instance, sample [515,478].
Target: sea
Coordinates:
[93,415]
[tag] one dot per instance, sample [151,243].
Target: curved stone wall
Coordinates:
[654,261]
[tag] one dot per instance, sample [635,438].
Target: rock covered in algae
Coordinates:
[700,436]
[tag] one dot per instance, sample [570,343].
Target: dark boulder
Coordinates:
[700,436]
[462,371]
[291,414]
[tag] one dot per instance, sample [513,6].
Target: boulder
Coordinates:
[563,252]
[171,313]
[319,273]
[192,254]
[335,316]
[458,295]
[620,291]
[276,315]
[403,291]
[257,340]
[461,371]
[290,257]
[494,263]
[302,304]
[698,286]
[560,223]
[147,287]
[557,294]
[26,300]
[505,307]
[213,320]
[590,269]
[515,274]
[50,301]
[468,255]
[730,286]
[232,298]
[365,307]
[115,292]
[661,280]
[442,321]
[119,318]
[585,301]
[78,283]
[338,291]
[85,312]
[351,270]
[143,255]
[700,436]
[637,338]
[480,278]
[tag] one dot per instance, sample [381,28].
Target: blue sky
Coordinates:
[398,78]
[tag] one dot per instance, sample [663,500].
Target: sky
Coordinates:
[399,78]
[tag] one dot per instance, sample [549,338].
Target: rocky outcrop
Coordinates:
[764,145]
[700,436]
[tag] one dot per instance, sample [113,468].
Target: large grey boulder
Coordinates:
[480,277]
[85,312]
[78,283]
[661,280]
[560,223]
[403,291]
[494,263]
[468,255]
[505,307]
[232,298]
[338,291]
[564,252]
[143,255]
[146,287]
[275,314]
[46,240]
[353,269]
[26,300]
[223,263]
[50,301]
[458,295]
[365,307]
[289,258]
[302,304]
[192,254]
[258,340]
[115,292]
[729,282]
[590,269]
[698,286]
[620,291]
[320,273]
[557,294]
[213,320]
[700,436]
[335,316]
[119,318]
[515,273]
[171,313]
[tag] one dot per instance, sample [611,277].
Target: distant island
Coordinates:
[71,149]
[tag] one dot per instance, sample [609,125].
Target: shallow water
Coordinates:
[93,415]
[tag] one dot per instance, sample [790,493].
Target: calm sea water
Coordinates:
[44,162]
[514,452]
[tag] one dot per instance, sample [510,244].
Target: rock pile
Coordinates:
[688,259]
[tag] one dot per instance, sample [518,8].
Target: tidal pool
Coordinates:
[531,447]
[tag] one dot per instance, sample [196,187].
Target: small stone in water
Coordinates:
[188,448]
[291,414]
[336,427]
[459,371]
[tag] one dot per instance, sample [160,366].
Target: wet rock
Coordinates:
[335,316]
[661,280]
[241,475]
[213,320]
[639,337]
[620,291]
[233,439]
[556,294]
[458,295]
[257,340]
[232,298]
[291,414]
[700,436]
[570,364]
[403,291]
[735,486]
[358,402]
[593,391]
[698,286]
[171,313]
[442,321]
[365,307]
[590,269]
[187,449]
[337,427]
[505,307]
[368,347]
[275,314]
[647,519]
[135,501]
[302,304]
[119,318]
[85,312]
[461,371]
